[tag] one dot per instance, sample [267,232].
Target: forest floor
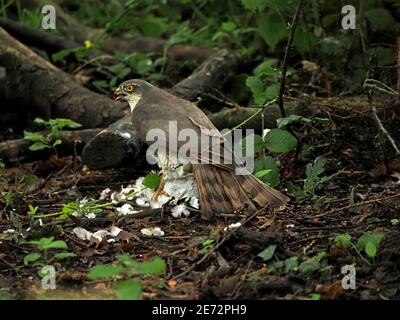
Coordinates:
[304,259]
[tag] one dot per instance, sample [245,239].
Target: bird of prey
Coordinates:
[220,189]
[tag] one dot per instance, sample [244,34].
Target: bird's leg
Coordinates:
[159,189]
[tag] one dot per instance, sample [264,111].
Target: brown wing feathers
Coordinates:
[221,191]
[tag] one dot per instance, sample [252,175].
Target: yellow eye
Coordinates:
[128,88]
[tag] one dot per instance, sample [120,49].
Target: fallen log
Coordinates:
[118,144]
[33,84]
[16,150]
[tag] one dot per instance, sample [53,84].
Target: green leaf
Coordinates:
[266,69]
[272,92]
[151,180]
[272,29]
[61,55]
[267,163]
[291,264]
[251,144]
[28,180]
[38,146]
[278,141]
[282,122]
[57,142]
[104,271]
[152,27]
[31,258]
[128,289]
[41,122]
[309,266]
[64,255]
[253,5]
[228,26]
[380,19]
[267,253]
[369,242]
[317,168]
[344,240]
[256,86]
[34,137]
[155,266]
[59,244]
[370,249]
[62,122]
[314,296]
[262,173]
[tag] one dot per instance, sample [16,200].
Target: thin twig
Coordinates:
[299,7]
[354,205]
[383,129]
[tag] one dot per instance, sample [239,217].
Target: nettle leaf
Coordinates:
[104,271]
[31,258]
[278,141]
[267,253]
[283,122]
[128,289]
[380,19]
[64,255]
[272,91]
[151,181]
[267,163]
[266,69]
[313,170]
[251,144]
[256,87]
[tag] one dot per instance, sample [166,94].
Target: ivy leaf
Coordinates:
[256,86]
[272,91]
[151,181]
[267,253]
[278,141]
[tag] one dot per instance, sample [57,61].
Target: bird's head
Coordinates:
[131,91]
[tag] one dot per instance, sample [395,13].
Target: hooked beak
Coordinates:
[119,95]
